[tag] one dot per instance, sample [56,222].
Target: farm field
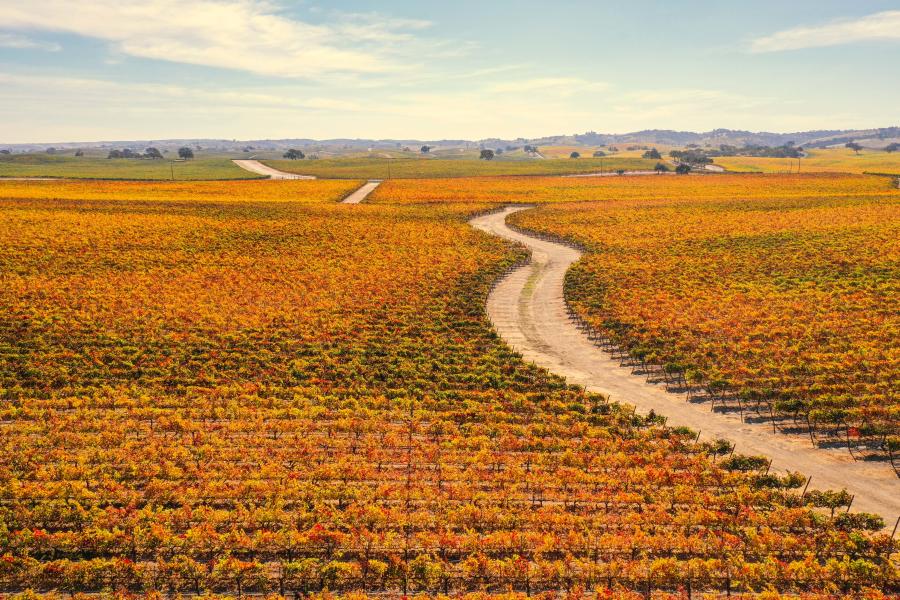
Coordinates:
[588,151]
[554,189]
[414,168]
[828,160]
[177,194]
[781,303]
[99,167]
[246,387]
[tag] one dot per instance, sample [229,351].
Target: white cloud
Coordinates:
[12,40]
[152,96]
[879,26]
[248,35]
[101,109]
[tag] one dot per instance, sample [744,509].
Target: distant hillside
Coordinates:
[812,139]
[874,138]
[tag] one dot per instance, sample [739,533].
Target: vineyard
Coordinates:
[834,160]
[416,168]
[527,190]
[780,305]
[96,166]
[247,388]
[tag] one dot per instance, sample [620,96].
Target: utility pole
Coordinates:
[172,168]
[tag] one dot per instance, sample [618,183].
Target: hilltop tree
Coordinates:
[892,147]
[153,153]
[79,153]
[853,146]
[425,149]
[185,153]
[294,154]
[486,155]
[652,153]
[683,169]
[691,157]
[575,155]
[661,168]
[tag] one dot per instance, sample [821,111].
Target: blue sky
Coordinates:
[108,69]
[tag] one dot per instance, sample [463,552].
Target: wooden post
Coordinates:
[806,487]
[772,415]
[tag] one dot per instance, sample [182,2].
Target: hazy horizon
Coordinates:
[257,69]
[397,139]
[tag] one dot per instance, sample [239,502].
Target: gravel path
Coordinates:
[528,311]
[363,192]
[254,166]
[257,167]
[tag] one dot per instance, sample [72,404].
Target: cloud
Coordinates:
[879,26]
[12,40]
[93,109]
[248,35]
[153,96]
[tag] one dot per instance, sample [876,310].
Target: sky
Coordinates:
[253,69]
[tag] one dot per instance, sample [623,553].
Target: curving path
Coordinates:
[254,166]
[528,311]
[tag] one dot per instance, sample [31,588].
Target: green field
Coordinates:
[414,168]
[100,167]
[825,160]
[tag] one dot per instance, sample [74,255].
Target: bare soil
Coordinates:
[363,192]
[254,166]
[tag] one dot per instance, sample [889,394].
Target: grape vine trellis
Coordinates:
[223,394]
[782,309]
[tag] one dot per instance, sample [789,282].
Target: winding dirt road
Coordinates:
[528,311]
[254,166]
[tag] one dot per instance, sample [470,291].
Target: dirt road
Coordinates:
[361,194]
[528,311]
[254,166]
